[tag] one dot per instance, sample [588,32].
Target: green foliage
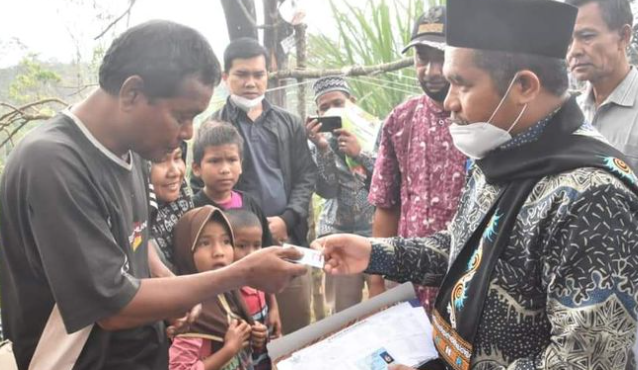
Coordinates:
[370,35]
[33,81]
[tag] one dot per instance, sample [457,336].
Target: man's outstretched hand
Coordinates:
[344,253]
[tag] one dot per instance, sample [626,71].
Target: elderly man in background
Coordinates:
[598,55]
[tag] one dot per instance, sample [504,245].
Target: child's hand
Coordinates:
[259,335]
[238,333]
[274,321]
[183,324]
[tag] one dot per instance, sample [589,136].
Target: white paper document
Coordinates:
[400,334]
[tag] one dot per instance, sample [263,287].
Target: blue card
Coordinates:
[377,360]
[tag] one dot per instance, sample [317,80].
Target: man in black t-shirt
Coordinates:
[74,280]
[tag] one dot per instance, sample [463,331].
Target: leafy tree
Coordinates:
[33,82]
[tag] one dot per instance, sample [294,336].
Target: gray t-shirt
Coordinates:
[74,229]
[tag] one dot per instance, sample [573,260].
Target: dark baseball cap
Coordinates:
[429,29]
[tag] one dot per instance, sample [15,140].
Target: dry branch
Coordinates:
[18,117]
[351,71]
[22,110]
[127,12]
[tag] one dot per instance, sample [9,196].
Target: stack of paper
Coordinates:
[400,334]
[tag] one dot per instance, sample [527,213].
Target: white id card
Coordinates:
[310,257]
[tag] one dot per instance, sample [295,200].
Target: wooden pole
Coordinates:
[300,41]
[351,71]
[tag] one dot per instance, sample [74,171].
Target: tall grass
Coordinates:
[373,34]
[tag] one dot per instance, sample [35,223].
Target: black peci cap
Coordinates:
[539,27]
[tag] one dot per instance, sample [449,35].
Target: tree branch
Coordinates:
[127,12]
[21,110]
[352,71]
[81,89]
[18,117]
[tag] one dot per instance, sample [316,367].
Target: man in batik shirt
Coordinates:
[344,168]
[419,174]
[539,267]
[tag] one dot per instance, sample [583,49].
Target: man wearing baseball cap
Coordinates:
[539,267]
[419,174]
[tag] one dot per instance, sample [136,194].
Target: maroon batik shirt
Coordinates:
[419,168]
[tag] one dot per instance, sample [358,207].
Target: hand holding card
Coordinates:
[310,257]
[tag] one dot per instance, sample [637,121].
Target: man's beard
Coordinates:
[439,95]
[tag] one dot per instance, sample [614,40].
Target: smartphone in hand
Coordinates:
[329,123]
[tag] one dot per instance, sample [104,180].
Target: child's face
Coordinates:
[213,249]
[220,168]
[247,241]
[167,176]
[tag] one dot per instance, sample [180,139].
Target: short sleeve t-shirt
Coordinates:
[74,231]
[234,202]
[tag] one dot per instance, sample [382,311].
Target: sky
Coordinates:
[63,29]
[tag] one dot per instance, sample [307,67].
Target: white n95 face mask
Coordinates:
[477,139]
[246,104]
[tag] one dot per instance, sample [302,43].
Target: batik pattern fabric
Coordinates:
[563,293]
[165,218]
[419,169]
[346,209]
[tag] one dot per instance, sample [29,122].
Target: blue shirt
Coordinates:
[529,135]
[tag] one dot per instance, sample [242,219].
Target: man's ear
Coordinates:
[626,33]
[224,76]
[197,170]
[527,86]
[131,92]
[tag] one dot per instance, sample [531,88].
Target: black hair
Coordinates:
[242,218]
[218,217]
[162,53]
[502,66]
[215,133]
[243,48]
[615,13]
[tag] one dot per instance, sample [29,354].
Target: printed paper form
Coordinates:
[403,331]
